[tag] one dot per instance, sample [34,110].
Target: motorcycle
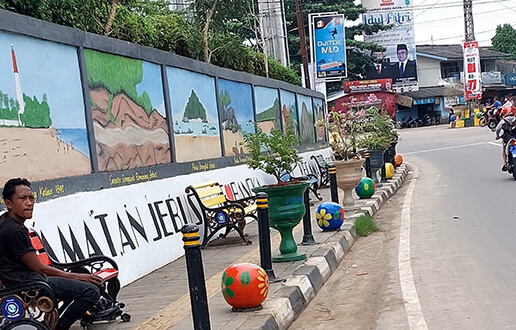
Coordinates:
[510,151]
[484,118]
[416,122]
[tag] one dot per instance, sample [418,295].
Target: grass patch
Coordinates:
[365,225]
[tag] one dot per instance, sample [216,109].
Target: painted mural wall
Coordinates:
[95,124]
[128,110]
[306,121]
[320,132]
[236,113]
[194,114]
[42,124]
[268,115]
[289,110]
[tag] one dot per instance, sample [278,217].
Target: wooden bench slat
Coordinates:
[205,192]
[209,202]
[250,209]
[204,184]
[43,257]
[36,243]
[107,273]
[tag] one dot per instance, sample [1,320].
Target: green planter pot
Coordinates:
[286,209]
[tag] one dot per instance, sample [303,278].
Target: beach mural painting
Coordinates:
[42,124]
[236,114]
[320,132]
[128,111]
[289,110]
[194,114]
[268,115]
[306,122]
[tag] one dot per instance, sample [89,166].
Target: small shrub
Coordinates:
[365,225]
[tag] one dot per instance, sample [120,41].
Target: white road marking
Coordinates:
[415,316]
[445,148]
[496,144]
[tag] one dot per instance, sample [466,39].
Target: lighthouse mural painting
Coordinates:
[42,126]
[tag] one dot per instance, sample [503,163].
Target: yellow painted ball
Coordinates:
[389,171]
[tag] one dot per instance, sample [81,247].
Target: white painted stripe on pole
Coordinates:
[444,148]
[415,316]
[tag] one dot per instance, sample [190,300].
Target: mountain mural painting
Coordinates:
[268,115]
[194,113]
[129,131]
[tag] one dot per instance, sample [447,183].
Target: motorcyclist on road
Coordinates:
[506,130]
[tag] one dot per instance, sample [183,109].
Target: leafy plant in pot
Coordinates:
[345,129]
[379,134]
[275,154]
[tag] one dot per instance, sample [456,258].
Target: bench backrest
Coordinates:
[40,249]
[320,161]
[209,193]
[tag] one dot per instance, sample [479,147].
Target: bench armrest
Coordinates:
[87,262]
[35,285]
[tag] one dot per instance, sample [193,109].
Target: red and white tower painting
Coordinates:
[17,86]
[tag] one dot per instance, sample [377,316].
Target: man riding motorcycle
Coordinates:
[506,130]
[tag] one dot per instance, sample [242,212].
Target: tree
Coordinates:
[505,39]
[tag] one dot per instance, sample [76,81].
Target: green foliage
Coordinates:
[36,114]
[505,39]
[194,109]
[8,107]
[279,155]
[380,130]
[365,225]
[117,74]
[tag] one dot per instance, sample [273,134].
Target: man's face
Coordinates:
[21,204]
[378,56]
[402,55]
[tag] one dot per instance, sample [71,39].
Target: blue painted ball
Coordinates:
[330,216]
[366,187]
[453,117]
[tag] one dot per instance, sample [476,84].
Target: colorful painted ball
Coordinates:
[244,285]
[478,115]
[389,171]
[398,160]
[330,216]
[453,117]
[365,188]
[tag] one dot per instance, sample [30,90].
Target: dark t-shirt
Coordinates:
[14,243]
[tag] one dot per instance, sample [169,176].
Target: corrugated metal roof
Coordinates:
[454,52]
[425,92]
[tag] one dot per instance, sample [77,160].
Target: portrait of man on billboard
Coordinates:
[381,67]
[405,69]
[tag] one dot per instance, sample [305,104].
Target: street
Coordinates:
[443,256]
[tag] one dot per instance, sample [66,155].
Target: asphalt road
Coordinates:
[444,258]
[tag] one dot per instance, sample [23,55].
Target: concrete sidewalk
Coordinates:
[161,300]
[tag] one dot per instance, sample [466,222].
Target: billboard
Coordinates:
[376,85]
[329,45]
[472,73]
[398,62]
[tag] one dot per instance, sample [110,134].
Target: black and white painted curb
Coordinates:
[284,305]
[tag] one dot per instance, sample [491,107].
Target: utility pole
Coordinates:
[302,43]
[272,28]
[469,31]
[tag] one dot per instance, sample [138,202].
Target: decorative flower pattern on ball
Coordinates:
[226,283]
[263,284]
[323,217]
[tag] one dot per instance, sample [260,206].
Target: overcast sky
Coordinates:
[443,20]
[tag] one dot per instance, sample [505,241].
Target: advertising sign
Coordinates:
[376,85]
[510,79]
[492,77]
[329,45]
[472,74]
[398,62]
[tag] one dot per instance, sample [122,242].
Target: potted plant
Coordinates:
[377,138]
[345,129]
[275,154]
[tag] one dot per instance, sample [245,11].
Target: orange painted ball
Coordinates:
[398,160]
[244,285]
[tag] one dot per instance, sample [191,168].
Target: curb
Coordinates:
[284,305]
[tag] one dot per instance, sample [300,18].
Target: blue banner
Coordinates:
[510,79]
[330,46]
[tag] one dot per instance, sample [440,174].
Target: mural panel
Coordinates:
[289,110]
[128,111]
[320,132]
[194,113]
[42,124]
[268,115]
[306,123]
[235,113]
